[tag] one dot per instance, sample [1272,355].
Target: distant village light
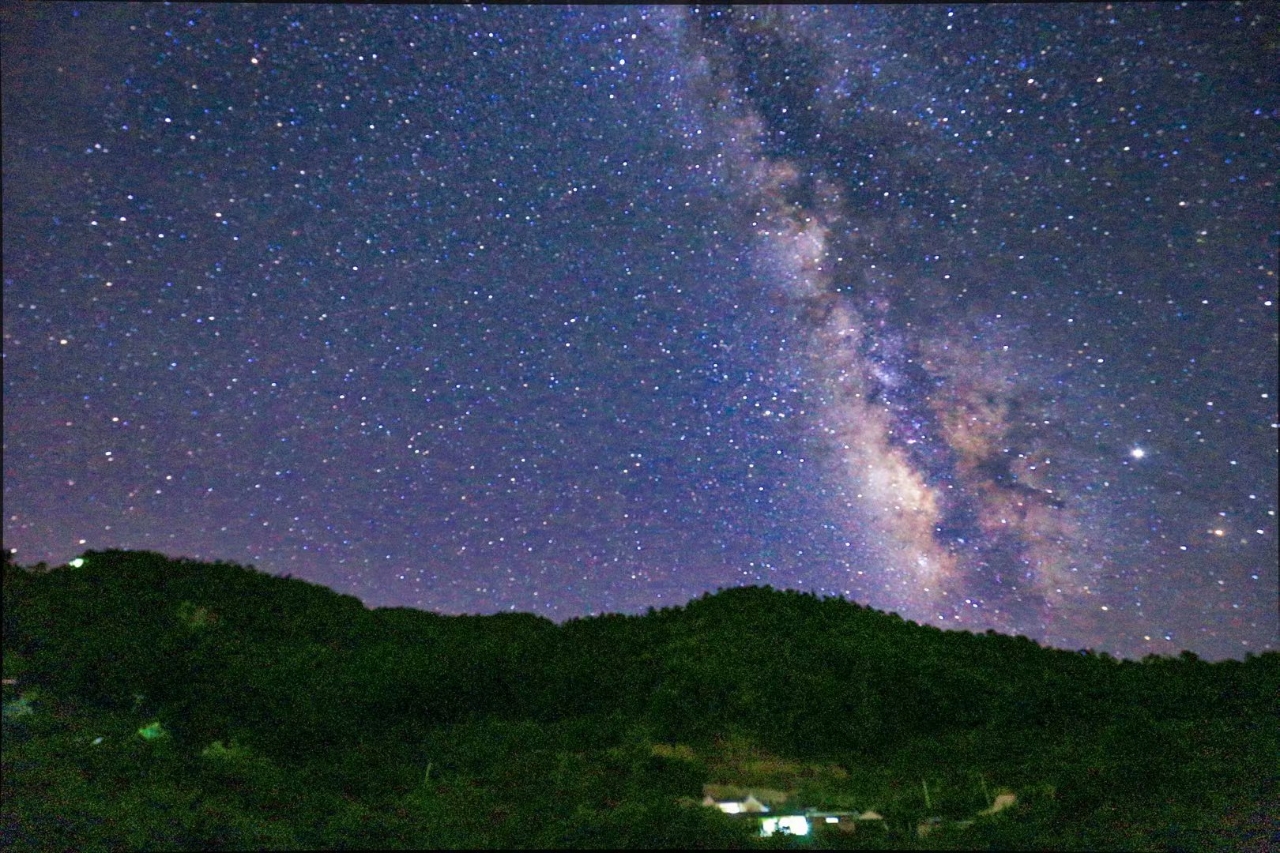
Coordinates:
[791,824]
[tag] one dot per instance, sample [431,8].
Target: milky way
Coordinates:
[939,445]
[966,313]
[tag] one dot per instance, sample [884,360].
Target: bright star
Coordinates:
[1137,453]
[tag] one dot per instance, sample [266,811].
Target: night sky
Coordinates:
[967,313]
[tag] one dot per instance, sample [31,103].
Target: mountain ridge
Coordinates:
[407,713]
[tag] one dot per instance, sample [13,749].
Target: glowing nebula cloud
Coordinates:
[935,464]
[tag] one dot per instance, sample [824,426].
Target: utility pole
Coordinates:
[928,804]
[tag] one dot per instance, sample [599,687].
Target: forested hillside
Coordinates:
[161,703]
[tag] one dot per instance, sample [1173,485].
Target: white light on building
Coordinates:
[787,824]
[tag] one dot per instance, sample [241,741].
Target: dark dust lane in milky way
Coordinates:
[938,446]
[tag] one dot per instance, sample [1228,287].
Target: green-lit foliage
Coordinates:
[170,704]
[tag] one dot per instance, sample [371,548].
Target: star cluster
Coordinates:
[963,312]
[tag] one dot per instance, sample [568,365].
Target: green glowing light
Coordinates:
[152,731]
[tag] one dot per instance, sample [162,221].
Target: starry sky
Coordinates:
[963,312]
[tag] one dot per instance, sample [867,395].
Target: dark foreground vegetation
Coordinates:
[157,703]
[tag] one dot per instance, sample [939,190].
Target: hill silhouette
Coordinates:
[169,703]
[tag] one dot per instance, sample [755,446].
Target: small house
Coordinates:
[750,805]
[829,821]
[786,824]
